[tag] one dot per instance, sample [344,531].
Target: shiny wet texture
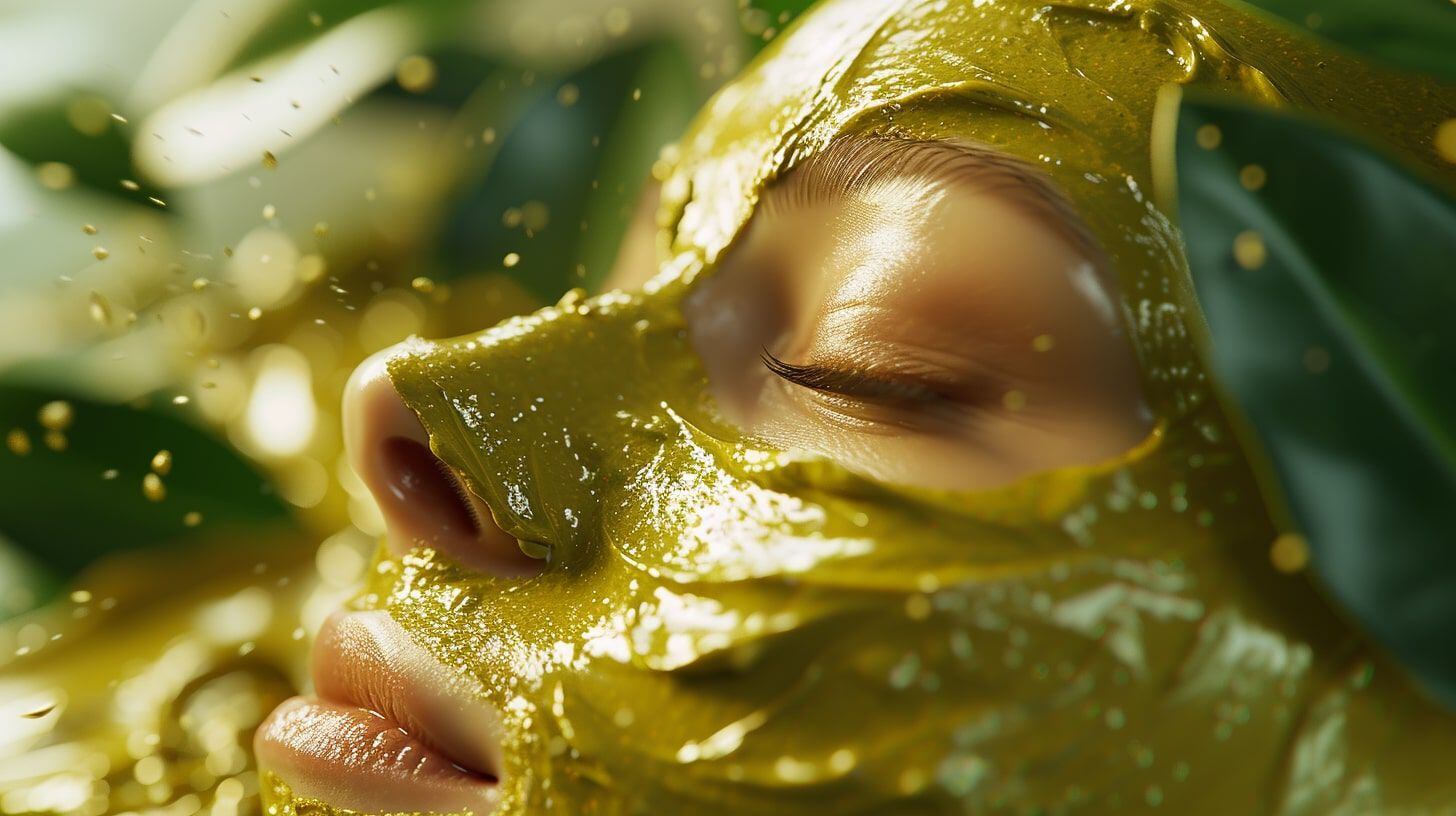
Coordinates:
[726,627]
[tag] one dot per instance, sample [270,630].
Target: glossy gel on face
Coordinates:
[723,626]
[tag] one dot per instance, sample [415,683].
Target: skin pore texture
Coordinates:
[752,602]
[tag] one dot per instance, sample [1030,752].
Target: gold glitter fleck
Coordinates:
[321,229]
[1289,553]
[81,596]
[162,462]
[269,212]
[1252,177]
[192,519]
[511,259]
[568,95]
[153,488]
[423,284]
[18,441]
[415,74]
[101,253]
[56,415]
[1043,342]
[89,229]
[487,136]
[255,313]
[55,440]
[270,161]
[128,184]
[1249,250]
[1014,400]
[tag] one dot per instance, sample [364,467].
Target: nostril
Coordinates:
[424,489]
[423,501]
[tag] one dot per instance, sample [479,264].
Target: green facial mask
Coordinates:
[723,627]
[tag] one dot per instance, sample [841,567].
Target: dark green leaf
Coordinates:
[61,512]
[1339,349]
[576,157]
[1415,34]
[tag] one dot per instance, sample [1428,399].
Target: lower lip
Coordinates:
[354,758]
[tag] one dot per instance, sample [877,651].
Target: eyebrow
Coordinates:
[853,163]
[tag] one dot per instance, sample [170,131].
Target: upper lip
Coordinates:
[365,659]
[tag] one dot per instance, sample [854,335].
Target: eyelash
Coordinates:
[854,383]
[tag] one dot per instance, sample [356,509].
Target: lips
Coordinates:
[388,729]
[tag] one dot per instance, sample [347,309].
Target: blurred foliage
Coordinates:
[1326,278]
[1418,35]
[101,459]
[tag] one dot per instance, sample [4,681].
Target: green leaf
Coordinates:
[1414,34]
[569,156]
[1339,349]
[62,512]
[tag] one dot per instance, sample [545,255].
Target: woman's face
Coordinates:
[889,481]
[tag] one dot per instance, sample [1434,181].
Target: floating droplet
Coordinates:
[56,415]
[1252,177]
[153,488]
[1249,250]
[37,713]
[100,309]
[1289,553]
[415,74]
[55,175]
[1209,137]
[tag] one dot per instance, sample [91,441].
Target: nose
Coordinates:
[424,502]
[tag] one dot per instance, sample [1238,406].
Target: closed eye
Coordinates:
[853,382]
